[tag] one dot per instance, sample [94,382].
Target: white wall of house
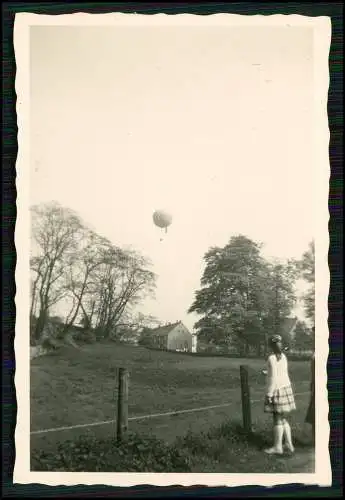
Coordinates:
[180,338]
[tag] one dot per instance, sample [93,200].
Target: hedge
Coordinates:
[90,454]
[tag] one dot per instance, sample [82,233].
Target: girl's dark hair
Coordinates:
[274,340]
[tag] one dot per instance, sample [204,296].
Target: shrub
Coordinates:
[86,336]
[89,454]
[49,344]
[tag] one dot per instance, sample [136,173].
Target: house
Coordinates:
[173,337]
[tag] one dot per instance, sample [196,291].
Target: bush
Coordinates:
[86,336]
[89,454]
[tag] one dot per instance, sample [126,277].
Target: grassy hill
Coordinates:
[75,387]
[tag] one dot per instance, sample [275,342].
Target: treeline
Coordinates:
[98,282]
[244,298]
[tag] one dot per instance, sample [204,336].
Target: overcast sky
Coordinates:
[213,124]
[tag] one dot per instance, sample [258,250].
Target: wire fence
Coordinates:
[148,416]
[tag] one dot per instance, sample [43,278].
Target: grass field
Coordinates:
[76,387]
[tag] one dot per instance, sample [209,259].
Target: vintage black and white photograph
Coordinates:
[175,200]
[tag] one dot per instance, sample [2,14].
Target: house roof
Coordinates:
[287,325]
[162,331]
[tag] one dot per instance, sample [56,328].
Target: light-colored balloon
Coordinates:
[162,219]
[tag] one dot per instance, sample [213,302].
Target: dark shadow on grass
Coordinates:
[259,440]
[299,443]
[262,440]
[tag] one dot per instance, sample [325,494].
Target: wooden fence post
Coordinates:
[246,410]
[122,404]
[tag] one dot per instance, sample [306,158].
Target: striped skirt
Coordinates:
[283,401]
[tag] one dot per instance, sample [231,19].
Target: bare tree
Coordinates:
[80,276]
[55,233]
[119,282]
[96,279]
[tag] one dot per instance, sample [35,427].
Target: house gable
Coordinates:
[163,330]
[174,336]
[180,338]
[179,329]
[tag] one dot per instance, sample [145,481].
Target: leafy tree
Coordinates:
[307,267]
[145,337]
[242,296]
[230,297]
[133,325]
[279,295]
[303,338]
[144,325]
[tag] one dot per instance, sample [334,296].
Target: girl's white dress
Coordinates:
[279,386]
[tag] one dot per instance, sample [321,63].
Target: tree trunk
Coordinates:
[246,349]
[87,318]
[33,299]
[79,301]
[243,348]
[41,321]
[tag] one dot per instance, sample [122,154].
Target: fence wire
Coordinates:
[143,417]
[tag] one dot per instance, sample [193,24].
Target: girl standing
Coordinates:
[279,399]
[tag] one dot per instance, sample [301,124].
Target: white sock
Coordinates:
[278,431]
[278,437]
[287,435]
